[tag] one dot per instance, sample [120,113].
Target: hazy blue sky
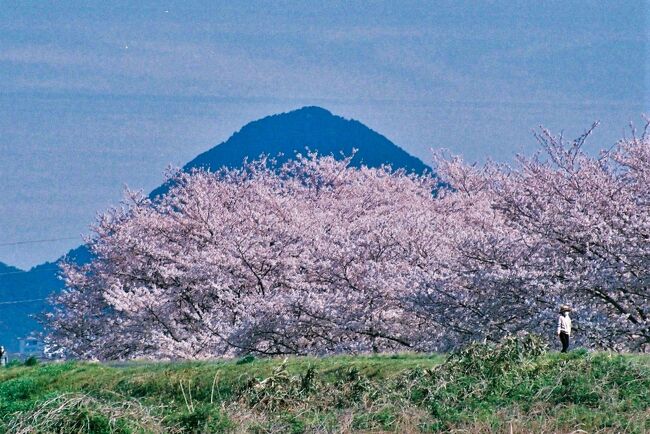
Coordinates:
[95,97]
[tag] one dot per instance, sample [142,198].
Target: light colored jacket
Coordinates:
[564,325]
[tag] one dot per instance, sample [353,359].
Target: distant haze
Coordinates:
[95,97]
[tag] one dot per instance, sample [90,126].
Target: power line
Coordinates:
[22,301]
[48,240]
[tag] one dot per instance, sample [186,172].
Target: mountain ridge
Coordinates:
[6,268]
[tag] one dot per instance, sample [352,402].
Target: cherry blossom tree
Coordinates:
[561,226]
[317,257]
[472,275]
[305,258]
[358,271]
[593,216]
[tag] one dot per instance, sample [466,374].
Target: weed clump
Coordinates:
[246,359]
[202,418]
[81,413]
[31,361]
[280,390]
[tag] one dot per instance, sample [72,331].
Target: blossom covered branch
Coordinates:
[317,257]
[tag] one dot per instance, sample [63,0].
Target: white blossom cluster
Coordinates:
[317,257]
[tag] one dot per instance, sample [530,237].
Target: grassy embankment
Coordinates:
[515,386]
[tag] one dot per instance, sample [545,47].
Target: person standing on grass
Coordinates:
[564,327]
[3,360]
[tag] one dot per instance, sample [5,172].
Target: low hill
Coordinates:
[513,387]
[22,295]
[6,269]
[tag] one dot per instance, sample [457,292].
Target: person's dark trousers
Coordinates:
[564,338]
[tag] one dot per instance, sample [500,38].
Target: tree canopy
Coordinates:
[315,256]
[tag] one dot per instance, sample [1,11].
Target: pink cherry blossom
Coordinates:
[317,257]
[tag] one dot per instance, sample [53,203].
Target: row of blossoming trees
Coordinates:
[319,257]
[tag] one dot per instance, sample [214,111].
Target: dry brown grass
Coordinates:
[83,414]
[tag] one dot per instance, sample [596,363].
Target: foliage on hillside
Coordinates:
[482,388]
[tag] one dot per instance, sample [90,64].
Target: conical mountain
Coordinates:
[312,128]
[309,127]
[283,135]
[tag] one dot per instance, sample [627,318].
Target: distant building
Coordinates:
[31,346]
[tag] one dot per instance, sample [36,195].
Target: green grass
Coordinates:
[479,389]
